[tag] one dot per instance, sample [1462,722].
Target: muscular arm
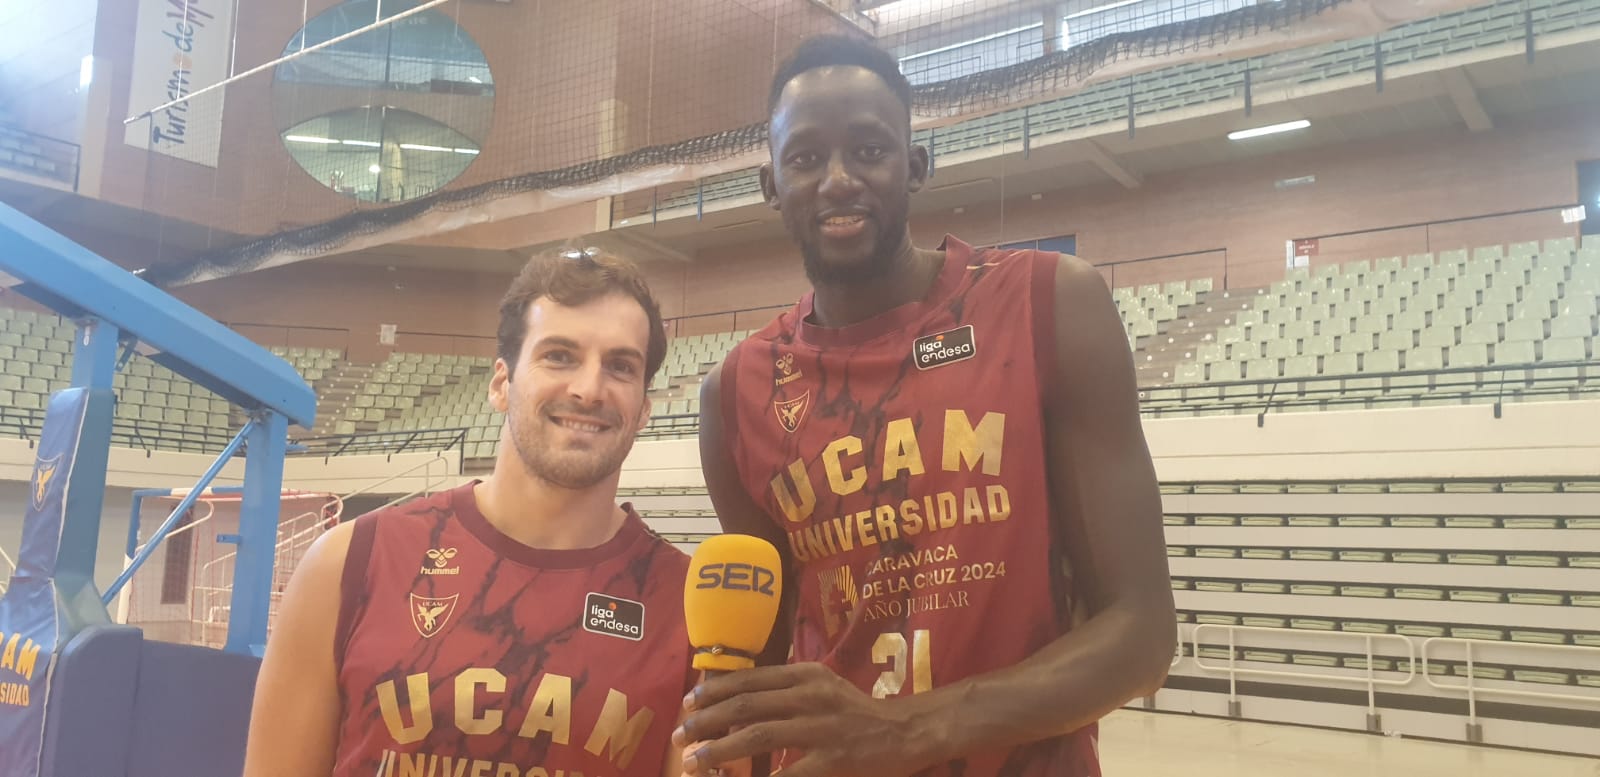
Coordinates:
[1108,509]
[294,723]
[737,512]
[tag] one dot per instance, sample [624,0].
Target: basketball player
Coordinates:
[946,446]
[523,625]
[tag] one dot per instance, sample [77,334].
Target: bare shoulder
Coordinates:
[1079,281]
[329,551]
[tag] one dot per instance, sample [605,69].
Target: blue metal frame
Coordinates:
[75,282]
[172,520]
[114,306]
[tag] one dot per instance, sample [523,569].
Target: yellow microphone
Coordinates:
[730,601]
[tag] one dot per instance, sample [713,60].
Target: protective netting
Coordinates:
[183,591]
[368,122]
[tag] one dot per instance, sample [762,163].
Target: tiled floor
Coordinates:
[1140,744]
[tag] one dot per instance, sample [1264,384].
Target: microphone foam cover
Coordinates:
[730,600]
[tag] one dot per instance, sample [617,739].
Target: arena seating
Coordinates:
[1518,307]
[1479,324]
[1290,556]
[1173,89]
[28,153]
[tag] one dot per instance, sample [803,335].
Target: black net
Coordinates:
[371,122]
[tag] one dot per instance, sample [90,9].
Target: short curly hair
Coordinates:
[573,277]
[840,50]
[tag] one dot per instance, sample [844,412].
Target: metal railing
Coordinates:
[40,155]
[1545,379]
[1405,652]
[1472,688]
[384,443]
[761,316]
[147,436]
[1369,680]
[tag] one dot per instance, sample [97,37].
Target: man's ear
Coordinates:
[500,386]
[918,158]
[769,186]
[644,415]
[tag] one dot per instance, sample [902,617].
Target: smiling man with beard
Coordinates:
[521,625]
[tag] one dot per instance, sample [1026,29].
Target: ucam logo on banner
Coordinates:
[180,46]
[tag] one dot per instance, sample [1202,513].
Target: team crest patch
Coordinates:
[948,347]
[430,614]
[791,412]
[613,616]
[43,471]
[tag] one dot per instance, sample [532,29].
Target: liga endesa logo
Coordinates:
[946,347]
[613,617]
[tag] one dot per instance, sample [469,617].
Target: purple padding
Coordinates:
[191,713]
[91,703]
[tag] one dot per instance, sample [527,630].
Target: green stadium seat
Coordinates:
[1524,330]
[1224,371]
[1524,249]
[1480,333]
[1563,349]
[1469,355]
[1437,337]
[1381,361]
[1521,352]
[1396,339]
[1282,348]
[173,415]
[1424,359]
[1569,325]
[1300,367]
[1262,369]
[27,400]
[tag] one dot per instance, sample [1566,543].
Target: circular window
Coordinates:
[389,115]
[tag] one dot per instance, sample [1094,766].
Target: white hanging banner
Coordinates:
[180,46]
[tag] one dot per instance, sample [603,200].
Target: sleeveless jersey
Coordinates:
[904,458]
[464,653]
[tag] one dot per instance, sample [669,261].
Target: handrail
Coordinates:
[211,511]
[425,490]
[1473,690]
[388,443]
[1370,680]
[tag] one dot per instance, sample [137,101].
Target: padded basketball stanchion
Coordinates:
[191,703]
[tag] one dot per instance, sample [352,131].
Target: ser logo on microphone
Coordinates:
[737,577]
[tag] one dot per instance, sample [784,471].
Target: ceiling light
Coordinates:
[1271,129]
[475,79]
[1098,9]
[420,147]
[375,169]
[307,139]
[466,151]
[984,39]
[362,143]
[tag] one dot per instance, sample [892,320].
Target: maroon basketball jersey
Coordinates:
[904,458]
[463,653]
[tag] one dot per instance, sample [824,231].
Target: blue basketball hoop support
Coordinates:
[112,306]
